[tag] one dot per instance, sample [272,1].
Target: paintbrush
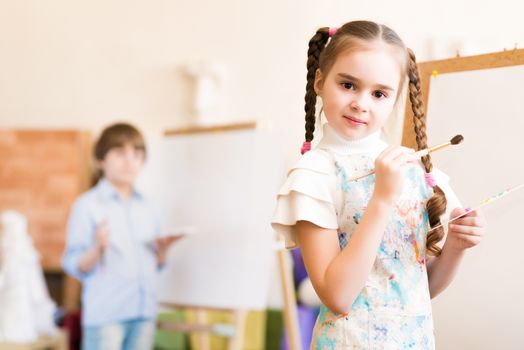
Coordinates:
[484,202]
[454,141]
[424,152]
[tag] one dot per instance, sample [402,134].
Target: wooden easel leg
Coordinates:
[202,337]
[290,303]
[239,321]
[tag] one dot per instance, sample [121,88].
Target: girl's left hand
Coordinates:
[467,231]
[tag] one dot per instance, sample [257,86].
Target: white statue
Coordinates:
[26,310]
[209,98]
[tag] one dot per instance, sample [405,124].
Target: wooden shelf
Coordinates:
[212,128]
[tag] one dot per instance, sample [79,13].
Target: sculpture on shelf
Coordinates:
[208,95]
[26,310]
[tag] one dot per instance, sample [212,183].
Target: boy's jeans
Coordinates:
[127,335]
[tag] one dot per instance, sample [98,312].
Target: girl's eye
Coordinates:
[379,94]
[348,86]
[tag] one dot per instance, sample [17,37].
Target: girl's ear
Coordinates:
[318,82]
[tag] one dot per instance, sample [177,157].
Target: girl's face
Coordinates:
[360,90]
[121,165]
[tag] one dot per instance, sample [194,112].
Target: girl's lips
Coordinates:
[355,121]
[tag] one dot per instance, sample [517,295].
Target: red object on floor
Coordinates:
[73,326]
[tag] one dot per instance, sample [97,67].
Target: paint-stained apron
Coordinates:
[393,310]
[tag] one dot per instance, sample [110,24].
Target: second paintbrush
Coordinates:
[454,141]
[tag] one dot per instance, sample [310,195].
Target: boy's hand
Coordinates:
[96,254]
[467,231]
[102,237]
[162,244]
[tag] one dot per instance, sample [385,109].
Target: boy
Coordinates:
[113,248]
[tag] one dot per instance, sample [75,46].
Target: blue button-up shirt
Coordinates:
[122,286]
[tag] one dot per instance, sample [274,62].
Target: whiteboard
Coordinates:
[223,185]
[484,306]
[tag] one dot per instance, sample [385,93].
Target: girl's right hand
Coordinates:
[102,237]
[390,169]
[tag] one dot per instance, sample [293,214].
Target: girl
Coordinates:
[113,248]
[367,243]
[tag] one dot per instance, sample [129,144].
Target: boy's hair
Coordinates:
[117,135]
[358,35]
[113,136]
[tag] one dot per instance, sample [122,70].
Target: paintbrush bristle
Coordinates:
[457,139]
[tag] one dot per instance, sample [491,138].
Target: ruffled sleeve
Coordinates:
[309,194]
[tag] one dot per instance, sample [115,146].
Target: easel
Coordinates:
[290,301]
[235,330]
[506,58]
[480,126]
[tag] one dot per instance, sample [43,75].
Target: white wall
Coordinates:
[84,63]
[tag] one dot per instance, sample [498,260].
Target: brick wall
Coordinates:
[41,173]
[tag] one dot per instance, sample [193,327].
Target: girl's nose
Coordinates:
[359,103]
[354,106]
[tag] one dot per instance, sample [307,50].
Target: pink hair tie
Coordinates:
[430,180]
[306,146]
[332,31]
